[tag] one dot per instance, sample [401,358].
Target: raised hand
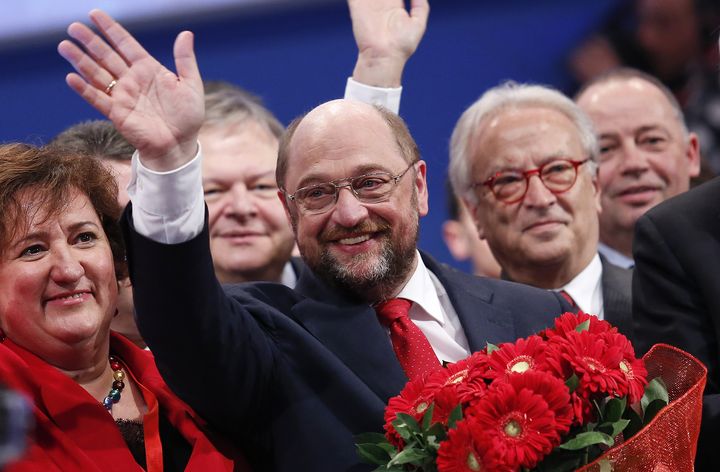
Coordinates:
[386,34]
[156,110]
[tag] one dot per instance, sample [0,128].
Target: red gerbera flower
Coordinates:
[467,449]
[568,322]
[413,400]
[632,367]
[597,365]
[519,424]
[519,357]
[466,378]
[554,392]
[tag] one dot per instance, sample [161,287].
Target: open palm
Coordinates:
[156,110]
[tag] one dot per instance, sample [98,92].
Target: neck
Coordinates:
[619,239]
[96,379]
[549,276]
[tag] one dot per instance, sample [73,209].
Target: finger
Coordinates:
[419,10]
[118,37]
[185,61]
[98,49]
[85,65]
[99,100]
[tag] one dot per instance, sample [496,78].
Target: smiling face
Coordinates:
[545,239]
[57,284]
[645,157]
[366,248]
[250,236]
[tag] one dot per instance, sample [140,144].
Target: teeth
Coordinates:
[74,295]
[356,240]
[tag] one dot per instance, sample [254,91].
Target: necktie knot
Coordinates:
[390,310]
[568,298]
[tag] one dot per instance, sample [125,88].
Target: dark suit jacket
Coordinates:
[617,297]
[676,291]
[293,375]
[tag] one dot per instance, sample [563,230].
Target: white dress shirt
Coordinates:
[433,313]
[586,288]
[388,98]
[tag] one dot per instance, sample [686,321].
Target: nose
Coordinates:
[67,266]
[241,203]
[348,211]
[538,195]
[633,160]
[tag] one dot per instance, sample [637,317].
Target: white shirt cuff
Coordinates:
[168,207]
[388,98]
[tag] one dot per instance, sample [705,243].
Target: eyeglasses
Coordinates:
[510,186]
[374,187]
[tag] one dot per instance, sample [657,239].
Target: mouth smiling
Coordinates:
[70,297]
[540,225]
[354,240]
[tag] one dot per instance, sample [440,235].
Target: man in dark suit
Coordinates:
[676,292]
[289,375]
[524,160]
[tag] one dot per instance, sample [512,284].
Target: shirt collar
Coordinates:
[582,287]
[616,257]
[421,290]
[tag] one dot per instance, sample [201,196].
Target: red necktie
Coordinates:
[568,298]
[411,347]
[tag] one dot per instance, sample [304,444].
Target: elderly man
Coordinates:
[646,152]
[291,375]
[523,158]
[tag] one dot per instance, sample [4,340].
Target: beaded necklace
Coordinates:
[117,386]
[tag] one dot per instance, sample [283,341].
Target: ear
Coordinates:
[283,199]
[421,187]
[456,240]
[692,152]
[596,188]
[473,209]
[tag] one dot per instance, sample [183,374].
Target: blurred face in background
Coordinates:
[645,154]
[250,236]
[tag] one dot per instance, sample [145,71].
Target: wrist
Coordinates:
[165,160]
[379,71]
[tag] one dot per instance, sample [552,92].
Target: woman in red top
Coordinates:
[99,402]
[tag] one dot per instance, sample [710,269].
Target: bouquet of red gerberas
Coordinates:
[554,401]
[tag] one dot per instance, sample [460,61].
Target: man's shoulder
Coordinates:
[499,291]
[696,202]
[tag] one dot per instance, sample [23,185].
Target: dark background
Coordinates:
[298,55]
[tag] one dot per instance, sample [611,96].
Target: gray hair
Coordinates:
[510,96]
[227,104]
[96,138]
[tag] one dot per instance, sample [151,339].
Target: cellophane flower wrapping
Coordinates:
[571,397]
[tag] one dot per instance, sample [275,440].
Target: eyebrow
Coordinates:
[256,176]
[315,179]
[41,234]
[547,158]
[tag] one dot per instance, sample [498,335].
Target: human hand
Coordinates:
[386,35]
[157,111]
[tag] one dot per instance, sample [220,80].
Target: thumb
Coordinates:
[185,61]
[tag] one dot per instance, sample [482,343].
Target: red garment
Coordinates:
[411,347]
[74,432]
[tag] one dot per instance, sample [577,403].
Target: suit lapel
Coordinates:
[482,321]
[351,332]
[617,298]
